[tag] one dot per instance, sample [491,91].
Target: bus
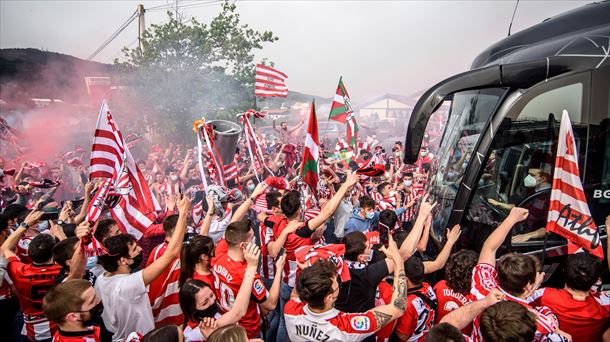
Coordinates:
[503,122]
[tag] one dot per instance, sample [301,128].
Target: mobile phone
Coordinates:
[49,216]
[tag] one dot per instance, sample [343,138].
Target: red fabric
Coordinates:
[229,275]
[449,300]
[419,316]
[584,320]
[293,241]
[163,291]
[32,282]
[92,335]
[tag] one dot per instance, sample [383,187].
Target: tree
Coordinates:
[189,68]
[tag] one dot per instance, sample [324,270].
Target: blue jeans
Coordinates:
[285,291]
[274,316]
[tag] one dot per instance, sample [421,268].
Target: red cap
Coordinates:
[279,183]
[372,171]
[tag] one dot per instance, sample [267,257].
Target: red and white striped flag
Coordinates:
[569,214]
[110,158]
[270,82]
[97,205]
[230,171]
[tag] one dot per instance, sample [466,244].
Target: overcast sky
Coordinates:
[377,46]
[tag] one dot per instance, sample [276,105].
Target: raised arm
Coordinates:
[495,239]
[240,307]
[423,242]
[241,212]
[330,207]
[297,126]
[9,244]
[85,206]
[441,259]
[274,291]
[386,313]
[408,246]
[462,316]
[78,265]
[207,220]
[173,248]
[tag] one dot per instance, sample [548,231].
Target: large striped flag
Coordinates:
[311,153]
[341,107]
[110,158]
[569,213]
[269,82]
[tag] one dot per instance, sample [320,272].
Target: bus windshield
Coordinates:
[469,112]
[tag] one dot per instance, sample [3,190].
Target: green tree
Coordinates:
[189,68]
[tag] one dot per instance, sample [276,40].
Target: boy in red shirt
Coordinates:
[229,269]
[75,308]
[582,312]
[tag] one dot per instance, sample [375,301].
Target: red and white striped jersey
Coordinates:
[303,324]
[163,291]
[484,281]
[583,320]
[409,214]
[266,236]
[92,334]
[293,241]
[419,315]
[22,249]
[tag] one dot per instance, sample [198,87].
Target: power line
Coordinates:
[114,35]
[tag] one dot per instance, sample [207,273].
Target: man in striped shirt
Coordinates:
[515,276]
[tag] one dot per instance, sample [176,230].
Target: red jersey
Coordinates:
[163,292]
[90,335]
[229,274]
[449,300]
[420,313]
[32,282]
[584,320]
[206,278]
[383,296]
[293,242]
[303,324]
[484,281]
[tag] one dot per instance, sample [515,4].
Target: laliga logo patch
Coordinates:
[360,323]
[258,286]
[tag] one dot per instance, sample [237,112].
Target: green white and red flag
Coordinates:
[341,107]
[311,152]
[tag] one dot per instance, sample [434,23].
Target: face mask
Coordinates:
[251,188]
[423,154]
[95,314]
[370,215]
[529,181]
[42,226]
[211,311]
[91,262]
[408,182]
[137,260]
[174,178]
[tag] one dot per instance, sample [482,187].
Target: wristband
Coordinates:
[252,199]
[24,225]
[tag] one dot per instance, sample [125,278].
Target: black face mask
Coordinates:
[211,311]
[95,314]
[137,260]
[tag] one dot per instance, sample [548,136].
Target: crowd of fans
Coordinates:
[353,260]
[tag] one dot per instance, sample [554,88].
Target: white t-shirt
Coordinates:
[126,305]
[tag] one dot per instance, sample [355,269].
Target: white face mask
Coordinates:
[423,154]
[408,182]
[529,181]
[174,178]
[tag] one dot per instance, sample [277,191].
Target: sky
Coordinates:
[379,47]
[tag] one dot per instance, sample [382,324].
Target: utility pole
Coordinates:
[141,25]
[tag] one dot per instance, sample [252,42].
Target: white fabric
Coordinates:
[126,305]
[217,228]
